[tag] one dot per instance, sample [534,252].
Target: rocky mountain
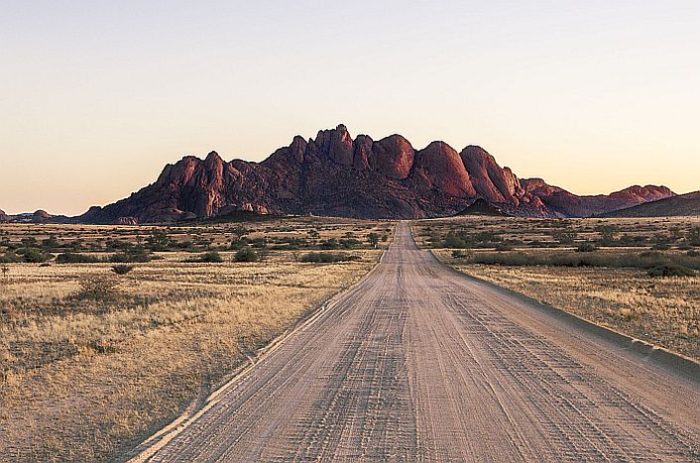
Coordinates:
[681,205]
[559,201]
[334,174]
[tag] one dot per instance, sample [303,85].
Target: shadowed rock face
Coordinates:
[4,217]
[335,174]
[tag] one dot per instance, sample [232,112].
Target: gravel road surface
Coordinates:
[419,363]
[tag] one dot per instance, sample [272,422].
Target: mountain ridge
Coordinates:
[687,204]
[334,174]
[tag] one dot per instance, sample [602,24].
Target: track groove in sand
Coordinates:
[417,363]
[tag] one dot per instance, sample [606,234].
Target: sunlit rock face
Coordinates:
[336,174]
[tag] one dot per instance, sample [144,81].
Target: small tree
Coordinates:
[5,270]
[373,239]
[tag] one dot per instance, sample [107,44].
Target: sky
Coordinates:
[97,96]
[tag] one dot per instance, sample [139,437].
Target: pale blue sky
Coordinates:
[96,96]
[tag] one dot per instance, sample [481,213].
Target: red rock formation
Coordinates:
[439,166]
[392,157]
[493,183]
[336,175]
[565,203]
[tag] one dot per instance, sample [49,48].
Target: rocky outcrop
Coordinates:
[567,204]
[4,217]
[681,205]
[334,174]
[439,167]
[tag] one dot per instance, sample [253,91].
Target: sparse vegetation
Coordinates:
[246,255]
[122,269]
[670,270]
[33,255]
[644,260]
[211,257]
[135,351]
[640,276]
[99,287]
[328,257]
[586,247]
[74,258]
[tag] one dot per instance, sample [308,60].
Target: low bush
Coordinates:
[10,258]
[645,260]
[670,270]
[460,254]
[327,257]
[98,287]
[211,257]
[74,258]
[246,255]
[33,255]
[131,256]
[122,269]
[586,247]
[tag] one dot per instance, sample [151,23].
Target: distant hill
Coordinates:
[687,204]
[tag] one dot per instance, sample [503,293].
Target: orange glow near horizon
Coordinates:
[98,97]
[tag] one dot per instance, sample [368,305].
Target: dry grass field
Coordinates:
[638,276]
[91,362]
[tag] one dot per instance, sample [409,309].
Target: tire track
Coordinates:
[417,363]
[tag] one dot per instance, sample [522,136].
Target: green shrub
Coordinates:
[670,270]
[211,257]
[327,257]
[454,241]
[246,254]
[33,255]
[73,258]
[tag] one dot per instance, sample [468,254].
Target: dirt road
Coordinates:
[418,363]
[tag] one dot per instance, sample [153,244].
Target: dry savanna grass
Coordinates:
[618,282]
[91,362]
